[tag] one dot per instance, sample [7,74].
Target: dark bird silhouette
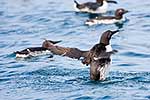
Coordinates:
[98,57]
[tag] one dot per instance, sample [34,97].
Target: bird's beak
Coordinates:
[113,32]
[126,11]
[111,1]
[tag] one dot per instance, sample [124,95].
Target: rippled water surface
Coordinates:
[24,23]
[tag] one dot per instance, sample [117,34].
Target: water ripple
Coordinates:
[134,54]
[25,22]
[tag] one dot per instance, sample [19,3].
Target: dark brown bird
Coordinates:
[98,57]
[100,6]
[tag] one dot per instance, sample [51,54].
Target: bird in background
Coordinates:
[117,18]
[100,6]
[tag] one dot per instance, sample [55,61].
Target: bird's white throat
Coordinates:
[108,48]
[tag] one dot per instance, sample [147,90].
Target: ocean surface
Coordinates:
[25,23]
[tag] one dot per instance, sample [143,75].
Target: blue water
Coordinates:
[24,23]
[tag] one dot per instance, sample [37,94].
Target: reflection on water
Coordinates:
[24,23]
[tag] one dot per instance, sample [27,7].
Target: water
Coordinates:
[24,23]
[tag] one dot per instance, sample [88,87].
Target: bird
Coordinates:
[34,51]
[98,57]
[100,6]
[118,18]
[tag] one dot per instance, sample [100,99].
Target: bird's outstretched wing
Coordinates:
[96,53]
[65,51]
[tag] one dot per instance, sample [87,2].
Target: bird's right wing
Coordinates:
[74,53]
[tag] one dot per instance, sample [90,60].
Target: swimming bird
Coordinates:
[98,57]
[118,18]
[100,6]
[34,51]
